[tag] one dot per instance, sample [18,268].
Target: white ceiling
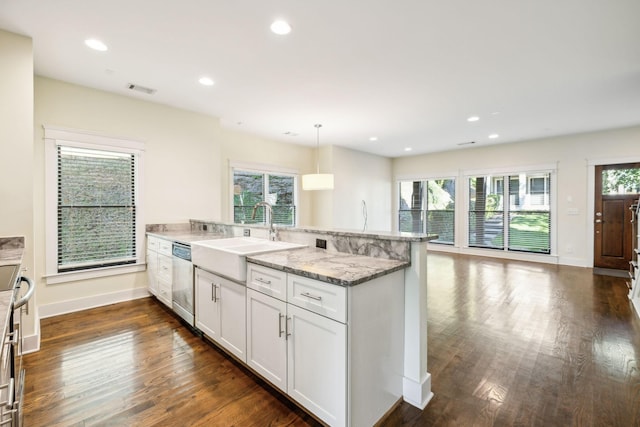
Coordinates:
[407,71]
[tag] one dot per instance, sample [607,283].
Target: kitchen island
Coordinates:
[351,260]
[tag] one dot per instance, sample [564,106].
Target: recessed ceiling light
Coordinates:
[373,138]
[408,149]
[473,119]
[96,44]
[494,136]
[206,81]
[281,27]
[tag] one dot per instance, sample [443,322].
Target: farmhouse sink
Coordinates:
[228,257]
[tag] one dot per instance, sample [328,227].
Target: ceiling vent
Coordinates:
[466,143]
[142,89]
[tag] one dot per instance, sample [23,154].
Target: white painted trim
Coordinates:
[74,276]
[575,262]
[591,197]
[71,306]
[54,136]
[591,206]
[612,160]
[90,137]
[261,167]
[427,176]
[416,380]
[494,253]
[512,169]
[417,394]
[31,343]
[268,169]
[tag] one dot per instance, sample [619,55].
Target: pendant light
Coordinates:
[317,181]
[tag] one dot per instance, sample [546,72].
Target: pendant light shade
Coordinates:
[317,181]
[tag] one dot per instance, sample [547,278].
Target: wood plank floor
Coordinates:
[510,344]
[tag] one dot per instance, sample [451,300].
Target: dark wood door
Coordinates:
[612,228]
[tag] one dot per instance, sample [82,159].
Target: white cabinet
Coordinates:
[337,351]
[159,268]
[317,364]
[266,337]
[220,311]
[299,351]
[152,271]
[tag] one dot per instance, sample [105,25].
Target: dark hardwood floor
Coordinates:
[510,344]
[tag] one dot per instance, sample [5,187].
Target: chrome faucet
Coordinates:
[273,234]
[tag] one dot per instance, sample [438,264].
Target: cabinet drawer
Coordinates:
[164,292]
[319,297]
[153,243]
[165,268]
[164,247]
[267,280]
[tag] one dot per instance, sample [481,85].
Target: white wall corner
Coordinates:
[71,306]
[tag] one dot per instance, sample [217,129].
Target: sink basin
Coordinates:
[228,256]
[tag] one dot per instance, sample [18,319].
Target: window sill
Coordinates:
[74,276]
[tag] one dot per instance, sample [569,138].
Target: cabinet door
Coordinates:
[207,308]
[152,272]
[317,364]
[266,337]
[233,331]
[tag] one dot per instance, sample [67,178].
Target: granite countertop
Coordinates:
[11,252]
[331,267]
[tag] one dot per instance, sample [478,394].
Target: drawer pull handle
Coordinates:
[308,295]
[261,280]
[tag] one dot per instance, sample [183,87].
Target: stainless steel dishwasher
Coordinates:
[182,294]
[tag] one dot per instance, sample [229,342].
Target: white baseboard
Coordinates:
[516,256]
[71,306]
[31,343]
[417,394]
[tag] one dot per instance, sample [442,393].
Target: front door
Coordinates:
[617,188]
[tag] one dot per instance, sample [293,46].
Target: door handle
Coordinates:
[280,331]
[214,297]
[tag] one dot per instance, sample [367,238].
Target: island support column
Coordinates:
[416,381]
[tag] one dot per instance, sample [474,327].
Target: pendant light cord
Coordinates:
[318,126]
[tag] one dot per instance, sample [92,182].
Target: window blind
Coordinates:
[96,208]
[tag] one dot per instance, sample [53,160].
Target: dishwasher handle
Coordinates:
[27,296]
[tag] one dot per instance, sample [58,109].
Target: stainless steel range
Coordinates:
[11,371]
[182,290]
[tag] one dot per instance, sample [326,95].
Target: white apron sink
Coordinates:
[228,257]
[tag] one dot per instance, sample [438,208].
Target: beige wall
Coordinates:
[245,148]
[180,171]
[361,176]
[573,156]
[186,166]
[16,140]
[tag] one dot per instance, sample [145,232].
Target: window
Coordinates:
[276,188]
[527,212]
[92,203]
[428,207]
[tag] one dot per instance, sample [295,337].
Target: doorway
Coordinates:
[617,188]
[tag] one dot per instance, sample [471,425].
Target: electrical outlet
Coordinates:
[246,232]
[321,243]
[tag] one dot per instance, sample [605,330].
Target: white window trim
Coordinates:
[432,177]
[268,169]
[553,207]
[54,136]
